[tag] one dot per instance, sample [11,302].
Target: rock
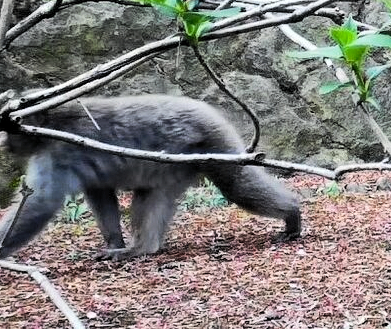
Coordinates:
[357,188]
[307,193]
[297,124]
[383,184]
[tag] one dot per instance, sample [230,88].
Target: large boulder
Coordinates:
[297,123]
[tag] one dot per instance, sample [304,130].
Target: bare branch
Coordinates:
[5,19]
[293,17]
[49,9]
[11,219]
[74,93]
[7,95]
[254,118]
[51,291]
[225,4]
[341,170]
[240,159]
[280,164]
[375,127]
[150,49]
[255,12]
[45,11]
[243,159]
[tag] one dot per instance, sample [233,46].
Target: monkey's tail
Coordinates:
[252,189]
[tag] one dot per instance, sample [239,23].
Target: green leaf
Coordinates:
[373,40]
[332,189]
[333,86]
[355,54]
[374,103]
[166,10]
[329,52]
[350,24]
[374,71]
[195,24]
[387,3]
[167,7]
[342,36]
[191,4]
[80,210]
[202,29]
[221,13]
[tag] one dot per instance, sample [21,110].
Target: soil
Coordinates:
[220,269]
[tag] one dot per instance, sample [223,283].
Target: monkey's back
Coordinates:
[150,122]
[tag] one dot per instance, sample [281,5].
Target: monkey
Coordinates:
[150,122]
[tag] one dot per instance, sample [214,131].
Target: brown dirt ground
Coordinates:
[220,270]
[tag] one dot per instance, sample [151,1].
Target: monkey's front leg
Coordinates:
[152,210]
[119,254]
[104,204]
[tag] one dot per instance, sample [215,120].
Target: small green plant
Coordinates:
[353,48]
[74,256]
[195,23]
[74,207]
[332,190]
[207,195]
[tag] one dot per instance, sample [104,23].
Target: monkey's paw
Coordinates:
[117,254]
[286,236]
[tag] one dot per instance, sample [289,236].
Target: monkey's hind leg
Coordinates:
[152,210]
[254,190]
[49,187]
[104,204]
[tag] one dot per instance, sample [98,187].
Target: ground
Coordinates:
[221,270]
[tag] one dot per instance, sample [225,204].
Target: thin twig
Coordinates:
[296,16]
[88,113]
[225,4]
[49,288]
[375,127]
[10,221]
[223,88]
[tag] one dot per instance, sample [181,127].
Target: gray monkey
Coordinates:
[152,122]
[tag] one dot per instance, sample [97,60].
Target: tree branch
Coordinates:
[11,219]
[254,118]
[5,19]
[296,16]
[242,159]
[47,10]
[70,95]
[51,291]
[161,156]
[149,49]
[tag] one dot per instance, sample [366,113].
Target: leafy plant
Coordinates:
[353,48]
[332,190]
[207,195]
[74,207]
[194,23]
[387,3]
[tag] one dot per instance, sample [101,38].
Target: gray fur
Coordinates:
[153,122]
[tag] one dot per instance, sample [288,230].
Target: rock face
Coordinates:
[297,123]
